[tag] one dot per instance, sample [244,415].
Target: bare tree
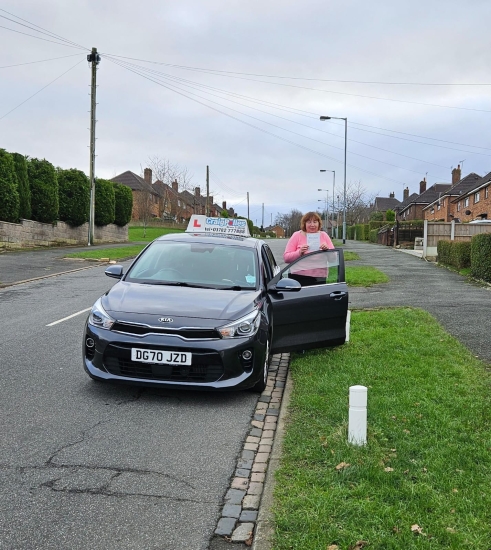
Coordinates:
[290,222]
[357,202]
[145,204]
[168,172]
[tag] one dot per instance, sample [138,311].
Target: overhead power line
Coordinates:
[40,61]
[43,88]
[169,87]
[383,82]
[34,27]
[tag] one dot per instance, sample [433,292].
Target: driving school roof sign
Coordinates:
[218,226]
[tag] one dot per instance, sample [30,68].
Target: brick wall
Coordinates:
[29,234]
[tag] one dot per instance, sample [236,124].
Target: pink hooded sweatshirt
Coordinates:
[299,238]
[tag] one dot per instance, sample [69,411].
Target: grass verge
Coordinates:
[364,276]
[135,233]
[348,256]
[121,253]
[422,481]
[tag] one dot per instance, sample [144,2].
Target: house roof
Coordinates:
[134,182]
[408,201]
[382,204]
[478,184]
[462,186]
[432,194]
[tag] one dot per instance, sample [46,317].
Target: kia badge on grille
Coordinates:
[166,319]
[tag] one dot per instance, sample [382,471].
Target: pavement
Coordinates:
[462,307]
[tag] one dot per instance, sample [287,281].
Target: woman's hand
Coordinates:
[303,249]
[324,246]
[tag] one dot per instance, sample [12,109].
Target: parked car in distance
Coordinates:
[480,221]
[205,309]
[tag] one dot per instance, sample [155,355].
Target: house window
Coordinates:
[486,192]
[438,206]
[477,197]
[458,206]
[466,201]
[432,211]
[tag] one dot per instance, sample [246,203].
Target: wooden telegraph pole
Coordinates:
[95,59]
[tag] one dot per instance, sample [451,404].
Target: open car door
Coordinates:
[309,301]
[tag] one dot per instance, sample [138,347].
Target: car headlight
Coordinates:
[99,318]
[245,326]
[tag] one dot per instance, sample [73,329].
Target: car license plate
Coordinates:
[162,356]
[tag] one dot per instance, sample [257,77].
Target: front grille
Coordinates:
[206,366]
[187,333]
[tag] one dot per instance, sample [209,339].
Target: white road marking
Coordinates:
[69,317]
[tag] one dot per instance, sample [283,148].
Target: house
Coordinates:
[382,204]
[277,230]
[473,203]
[447,206]
[412,209]
[146,199]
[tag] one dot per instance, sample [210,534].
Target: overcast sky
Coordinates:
[240,86]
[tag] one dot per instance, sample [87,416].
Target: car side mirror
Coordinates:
[287,285]
[114,271]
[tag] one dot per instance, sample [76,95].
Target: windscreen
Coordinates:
[196,264]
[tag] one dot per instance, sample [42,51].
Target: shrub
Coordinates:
[74,194]
[9,196]
[373,235]
[377,217]
[455,254]
[104,202]
[44,190]
[374,224]
[123,204]
[390,215]
[20,164]
[481,257]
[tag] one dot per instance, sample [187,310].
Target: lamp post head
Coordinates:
[325,118]
[322,170]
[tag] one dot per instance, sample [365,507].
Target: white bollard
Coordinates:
[357,421]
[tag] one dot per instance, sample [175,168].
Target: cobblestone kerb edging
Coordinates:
[239,515]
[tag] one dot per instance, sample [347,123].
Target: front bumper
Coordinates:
[217,364]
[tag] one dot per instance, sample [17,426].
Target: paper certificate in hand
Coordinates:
[314,241]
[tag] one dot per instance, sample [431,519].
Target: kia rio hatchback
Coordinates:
[205,309]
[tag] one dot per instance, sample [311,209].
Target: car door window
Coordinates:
[318,268]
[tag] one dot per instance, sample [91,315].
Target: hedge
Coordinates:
[373,235]
[123,204]
[9,196]
[104,202]
[454,253]
[44,190]
[481,257]
[20,164]
[74,194]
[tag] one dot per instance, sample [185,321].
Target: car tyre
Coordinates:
[260,385]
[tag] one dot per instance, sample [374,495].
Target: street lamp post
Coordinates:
[333,185]
[345,151]
[326,216]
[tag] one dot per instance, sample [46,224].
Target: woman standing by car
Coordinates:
[308,239]
[305,241]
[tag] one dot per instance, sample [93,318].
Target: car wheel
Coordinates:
[260,385]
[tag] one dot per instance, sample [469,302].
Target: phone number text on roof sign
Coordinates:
[228,226]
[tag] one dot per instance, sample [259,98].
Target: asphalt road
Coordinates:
[86,465]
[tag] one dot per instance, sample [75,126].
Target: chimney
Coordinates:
[392,195]
[456,176]
[197,191]
[224,205]
[405,194]
[422,186]
[175,186]
[147,175]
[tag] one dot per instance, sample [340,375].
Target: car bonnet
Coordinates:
[125,300]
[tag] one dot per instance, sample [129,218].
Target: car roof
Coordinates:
[224,240]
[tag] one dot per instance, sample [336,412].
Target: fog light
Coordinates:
[247,354]
[89,342]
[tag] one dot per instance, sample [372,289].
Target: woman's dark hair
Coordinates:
[310,216]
